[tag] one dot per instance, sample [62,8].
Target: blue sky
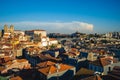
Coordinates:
[63,16]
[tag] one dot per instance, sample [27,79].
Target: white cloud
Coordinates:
[64,27]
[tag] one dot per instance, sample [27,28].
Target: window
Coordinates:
[109,68]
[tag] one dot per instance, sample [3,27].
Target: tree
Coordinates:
[53,46]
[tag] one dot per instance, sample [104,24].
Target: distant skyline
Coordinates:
[63,16]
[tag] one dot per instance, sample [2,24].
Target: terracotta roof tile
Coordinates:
[104,61]
[107,61]
[44,37]
[95,77]
[52,39]
[45,64]
[6,59]
[1,69]
[53,69]
[21,60]
[8,63]
[16,78]
[84,71]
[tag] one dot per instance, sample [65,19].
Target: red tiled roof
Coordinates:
[104,61]
[45,64]
[16,78]
[84,71]
[21,60]
[6,34]
[1,69]
[6,59]
[53,69]
[96,77]
[33,49]
[44,37]
[70,54]
[52,39]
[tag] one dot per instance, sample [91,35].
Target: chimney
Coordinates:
[57,66]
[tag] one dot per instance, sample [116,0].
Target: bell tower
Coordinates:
[5,28]
[11,29]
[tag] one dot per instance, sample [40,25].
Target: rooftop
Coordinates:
[115,73]
[83,73]
[95,77]
[45,64]
[35,30]
[54,68]
[16,78]
[104,61]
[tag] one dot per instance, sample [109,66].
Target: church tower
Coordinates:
[5,28]
[11,29]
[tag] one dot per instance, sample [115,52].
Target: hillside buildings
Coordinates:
[34,55]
